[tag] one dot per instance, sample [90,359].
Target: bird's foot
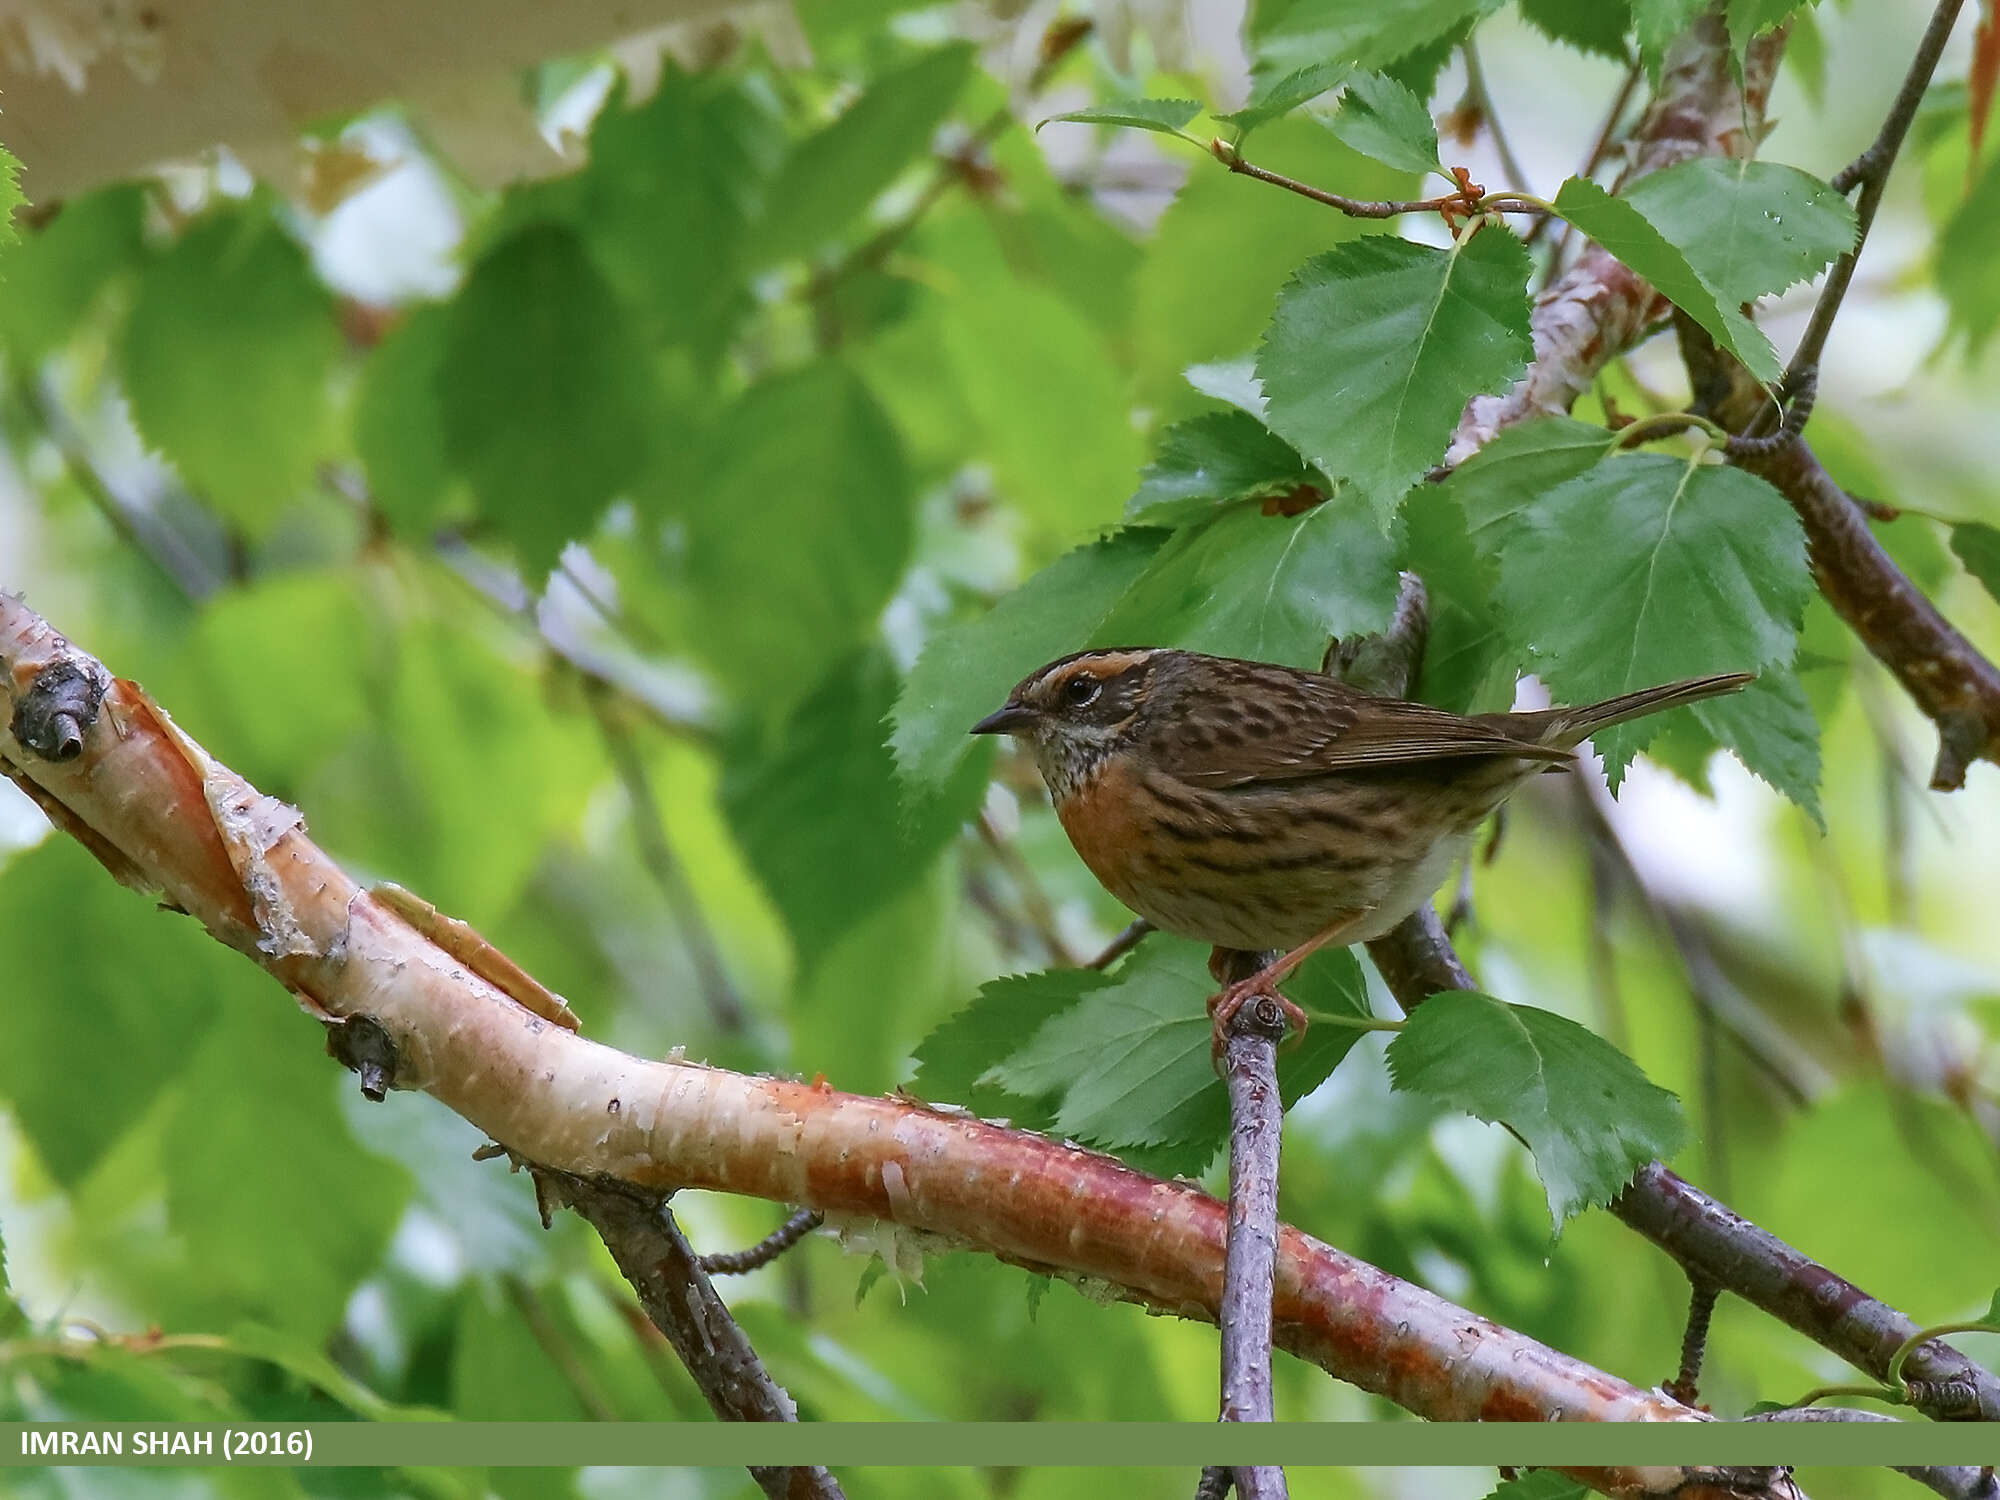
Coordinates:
[1224,1005]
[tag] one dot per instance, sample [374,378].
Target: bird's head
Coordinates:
[1078,709]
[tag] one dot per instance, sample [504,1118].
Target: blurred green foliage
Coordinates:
[791,429]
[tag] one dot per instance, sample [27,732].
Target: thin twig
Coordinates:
[1598,148]
[145,534]
[657,855]
[1709,986]
[1871,170]
[1475,83]
[1685,1387]
[1416,960]
[1057,44]
[1250,1259]
[1954,1481]
[1035,904]
[766,1250]
[655,1257]
[1216,1481]
[1465,203]
[1134,933]
[556,1345]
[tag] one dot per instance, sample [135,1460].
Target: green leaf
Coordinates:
[1750,19]
[1597,26]
[1209,459]
[226,357]
[668,198]
[1977,545]
[280,1236]
[820,814]
[1186,313]
[1540,1484]
[1470,661]
[137,990]
[966,671]
[1277,95]
[51,282]
[1500,485]
[954,1059]
[546,399]
[1166,116]
[1130,1065]
[1968,272]
[1748,228]
[1657,23]
[399,423]
[1368,35]
[1587,1113]
[1376,347]
[833,175]
[1689,568]
[1043,384]
[1620,227]
[12,200]
[1382,119]
[813,458]
[1991,1317]
[1269,588]
[1771,727]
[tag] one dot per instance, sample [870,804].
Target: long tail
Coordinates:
[1571,726]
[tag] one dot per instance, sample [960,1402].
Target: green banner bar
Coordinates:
[997,1444]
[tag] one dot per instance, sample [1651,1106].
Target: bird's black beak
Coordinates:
[1007,719]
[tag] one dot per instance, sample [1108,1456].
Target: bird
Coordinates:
[1271,809]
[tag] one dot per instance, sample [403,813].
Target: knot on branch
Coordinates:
[362,1045]
[56,712]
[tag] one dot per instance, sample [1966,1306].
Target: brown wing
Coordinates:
[1280,725]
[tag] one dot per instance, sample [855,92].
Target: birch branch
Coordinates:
[441,1012]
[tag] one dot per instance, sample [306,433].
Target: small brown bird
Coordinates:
[1260,807]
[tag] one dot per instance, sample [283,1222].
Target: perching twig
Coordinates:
[1256,1116]
[766,1250]
[654,1256]
[1216,1481]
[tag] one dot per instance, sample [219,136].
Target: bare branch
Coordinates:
[1871,170]
[1256,1121]
[639,1231]
[1723,1248]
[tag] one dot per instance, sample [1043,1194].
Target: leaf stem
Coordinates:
[1668,424]
[1923,1336]
[1882,1393]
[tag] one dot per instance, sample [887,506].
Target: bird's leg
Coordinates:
[1223,1006]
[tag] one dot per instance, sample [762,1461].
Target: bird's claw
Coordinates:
[1224,1005]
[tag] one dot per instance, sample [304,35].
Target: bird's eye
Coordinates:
[1082,691]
